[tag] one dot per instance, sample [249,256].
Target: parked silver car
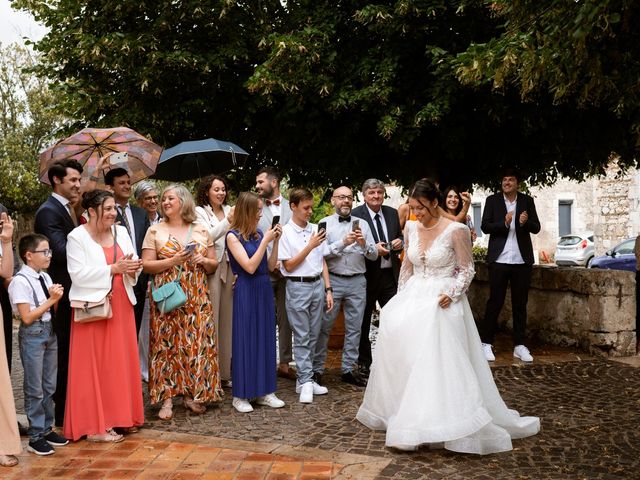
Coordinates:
[575,249]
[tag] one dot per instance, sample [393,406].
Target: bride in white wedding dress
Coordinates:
[430,382]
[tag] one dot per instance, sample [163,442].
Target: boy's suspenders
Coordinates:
[35,295]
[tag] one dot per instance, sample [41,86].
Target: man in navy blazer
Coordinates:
[55,218]
[136,221]
[382,273]
[509,218]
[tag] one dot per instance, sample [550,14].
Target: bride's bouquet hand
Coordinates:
[444,300]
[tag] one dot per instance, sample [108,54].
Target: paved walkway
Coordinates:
[589,407]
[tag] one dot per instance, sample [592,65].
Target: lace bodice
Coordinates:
[444,252]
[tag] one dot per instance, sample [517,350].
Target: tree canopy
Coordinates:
[337,91]
[27,125]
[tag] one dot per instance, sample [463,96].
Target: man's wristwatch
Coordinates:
[328,289]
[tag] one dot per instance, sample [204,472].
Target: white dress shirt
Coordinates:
[275,209]
[20,290]
[511,252]
[384,262]
[293,240]
[65,203]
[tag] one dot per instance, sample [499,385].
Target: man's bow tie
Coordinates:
[275,202]
[344,219]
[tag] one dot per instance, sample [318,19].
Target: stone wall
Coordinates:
[591,309]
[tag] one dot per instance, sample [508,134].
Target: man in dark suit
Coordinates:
[136,221]
[382,273]
[509,218]
[274,204]
[55,218]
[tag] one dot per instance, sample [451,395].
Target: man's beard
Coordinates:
[267,192]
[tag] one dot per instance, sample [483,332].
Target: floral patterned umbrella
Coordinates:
[90,144]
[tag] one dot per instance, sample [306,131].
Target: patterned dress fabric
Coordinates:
[104,389]
[430,383]
[183,355]
[254,327]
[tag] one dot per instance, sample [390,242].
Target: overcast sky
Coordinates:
[15,25]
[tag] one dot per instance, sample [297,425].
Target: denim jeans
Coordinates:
[39,355]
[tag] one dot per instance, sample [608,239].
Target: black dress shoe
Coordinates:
[354,379]
[363,370]
[317,377]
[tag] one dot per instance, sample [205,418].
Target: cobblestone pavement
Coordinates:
[589,408]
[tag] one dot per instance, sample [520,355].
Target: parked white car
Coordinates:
[575,249]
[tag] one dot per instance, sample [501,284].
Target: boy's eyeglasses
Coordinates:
[47,252]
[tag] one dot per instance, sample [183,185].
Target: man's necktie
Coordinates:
[72,214]
[275,202]
[46,294]
[344,219]
[381,236]
[123,214]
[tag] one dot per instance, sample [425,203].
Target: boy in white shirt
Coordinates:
[33,297]
[302,251]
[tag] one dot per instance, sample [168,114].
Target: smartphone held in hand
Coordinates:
[190,247]
[275,221]
[322,227]
[355,225]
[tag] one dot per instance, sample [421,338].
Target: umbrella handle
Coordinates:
[233,156]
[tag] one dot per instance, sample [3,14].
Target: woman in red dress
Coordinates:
[104,389]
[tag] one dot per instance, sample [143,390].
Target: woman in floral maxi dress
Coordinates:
[183,357]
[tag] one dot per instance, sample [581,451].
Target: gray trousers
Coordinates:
[305,304]
[352,294]
[279,285]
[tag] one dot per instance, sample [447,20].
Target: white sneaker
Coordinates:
[241,405]
[522,353]
[270,400]
[317,389]
[306,392]
[488,352]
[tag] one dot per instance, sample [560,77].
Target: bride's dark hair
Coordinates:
[425,188]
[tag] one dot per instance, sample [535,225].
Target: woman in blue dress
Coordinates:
[253,365]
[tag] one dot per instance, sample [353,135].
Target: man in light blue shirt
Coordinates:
[350,241]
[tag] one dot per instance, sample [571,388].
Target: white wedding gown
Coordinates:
[430,382]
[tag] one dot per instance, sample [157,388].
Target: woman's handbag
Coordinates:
[85,312]
[170,296]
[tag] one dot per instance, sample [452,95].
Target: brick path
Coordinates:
[589,407]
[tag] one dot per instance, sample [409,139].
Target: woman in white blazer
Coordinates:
[214,213]
[104,390]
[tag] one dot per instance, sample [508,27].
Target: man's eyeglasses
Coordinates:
[342,198]
[47,252]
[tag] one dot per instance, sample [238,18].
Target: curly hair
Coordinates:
[202,195]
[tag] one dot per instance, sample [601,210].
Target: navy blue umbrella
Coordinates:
[199,158]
